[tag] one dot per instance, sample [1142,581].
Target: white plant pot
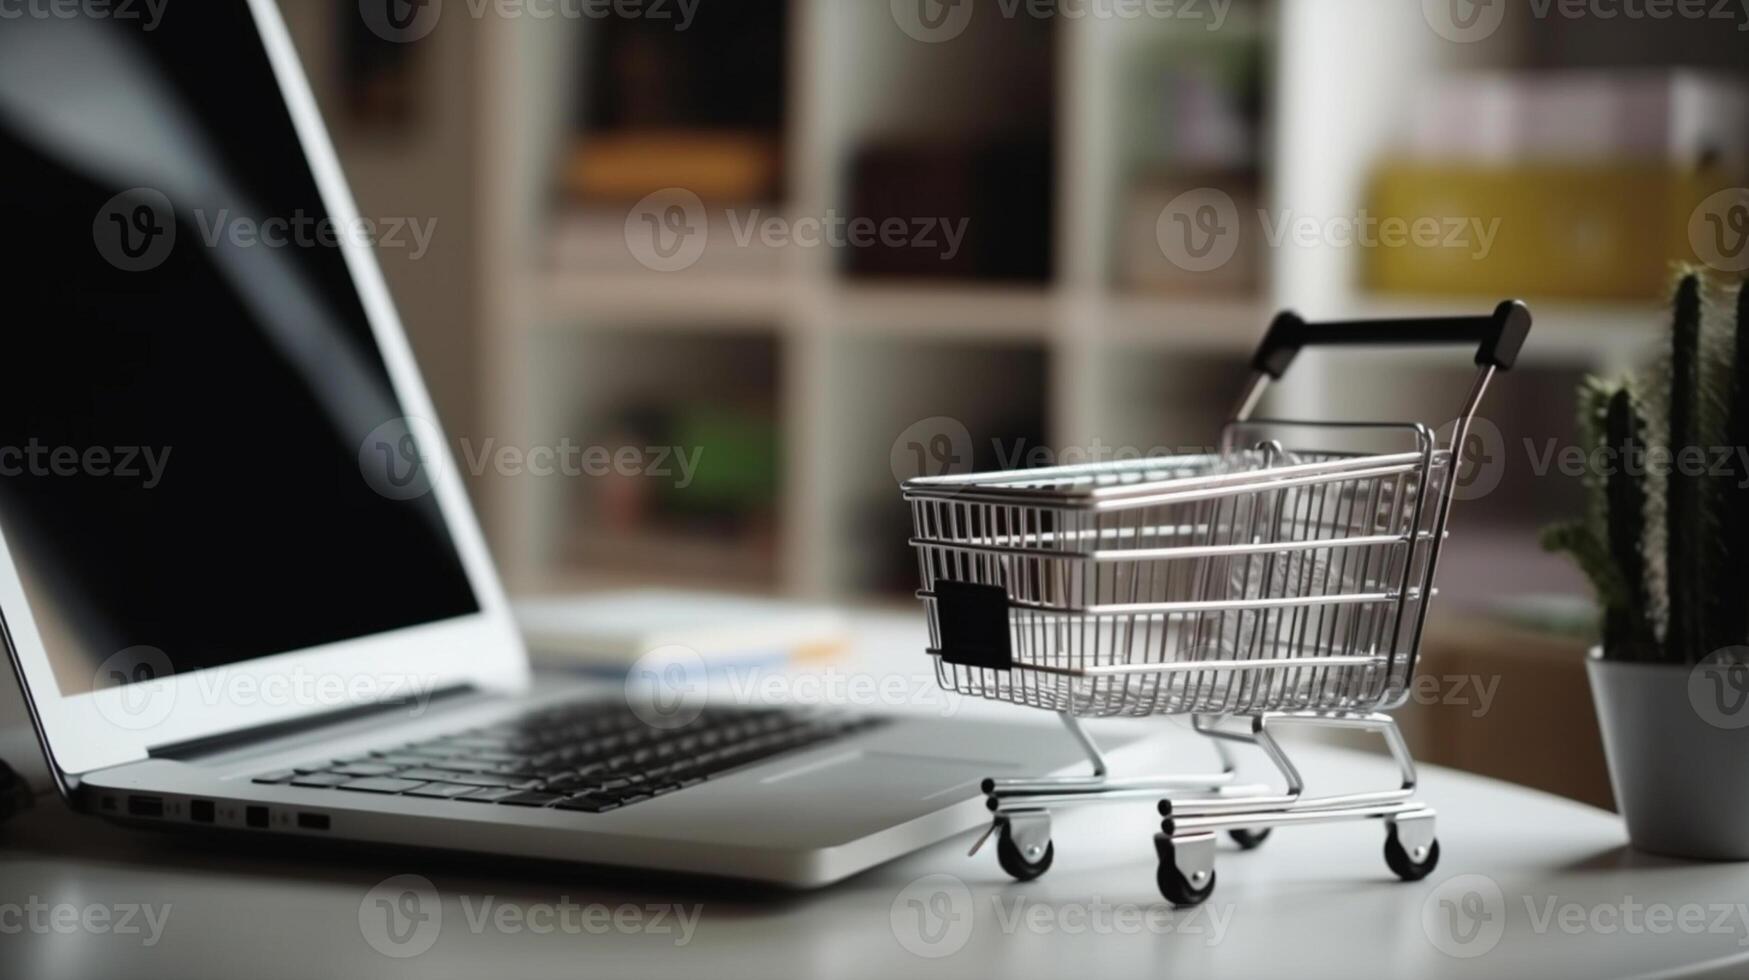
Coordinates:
[1677,740]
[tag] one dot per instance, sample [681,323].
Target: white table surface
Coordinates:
[1529,885]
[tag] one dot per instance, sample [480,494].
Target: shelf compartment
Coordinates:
[904,407]
[685,473]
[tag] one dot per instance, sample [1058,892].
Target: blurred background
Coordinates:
[1091,159]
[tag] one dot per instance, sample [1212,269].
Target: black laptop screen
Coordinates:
[201,459]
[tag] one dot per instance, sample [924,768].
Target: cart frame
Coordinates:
[1249,589]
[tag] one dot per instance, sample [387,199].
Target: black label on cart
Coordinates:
[974,624]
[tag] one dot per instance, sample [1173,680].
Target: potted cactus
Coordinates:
[1665,544]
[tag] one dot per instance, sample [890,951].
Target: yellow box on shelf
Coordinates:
[1561,231]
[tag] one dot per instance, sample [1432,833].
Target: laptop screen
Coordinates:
[201,457]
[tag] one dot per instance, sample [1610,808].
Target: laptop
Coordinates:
[241,584]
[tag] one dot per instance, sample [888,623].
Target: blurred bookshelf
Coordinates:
[1059,323]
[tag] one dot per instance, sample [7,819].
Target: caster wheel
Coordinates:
[1178,890]
[1249,839]
[1018,865]
[1406,866]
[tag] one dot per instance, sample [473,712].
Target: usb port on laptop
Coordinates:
[145,806]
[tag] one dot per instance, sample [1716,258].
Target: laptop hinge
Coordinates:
[227,741]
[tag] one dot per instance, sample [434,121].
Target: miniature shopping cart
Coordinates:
[1282,580]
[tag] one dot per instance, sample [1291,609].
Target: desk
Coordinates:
[1529,885]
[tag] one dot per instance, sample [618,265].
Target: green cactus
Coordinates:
[1734,590]
[1625,521]
[1667,549]
[1685,620]
[1591,554]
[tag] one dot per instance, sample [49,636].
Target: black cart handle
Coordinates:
[1499,335]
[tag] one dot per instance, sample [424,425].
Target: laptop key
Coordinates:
[365,769]
[532,798]
[588,804]
[486,743]
[380,784]
[431,775]
[320,779]
[428,752]
[276,777]
[457,765]
[493,756]
[398,760]
[487,779]
[487,794]
[442,791]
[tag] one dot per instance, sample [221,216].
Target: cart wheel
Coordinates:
[1017,864]
[1249,839]
[1405,865]
[1176,888]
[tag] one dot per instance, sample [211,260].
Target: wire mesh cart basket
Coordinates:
[1276,581]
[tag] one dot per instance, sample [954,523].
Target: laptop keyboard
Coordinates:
[587,756]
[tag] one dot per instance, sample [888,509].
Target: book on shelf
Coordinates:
[717,165]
